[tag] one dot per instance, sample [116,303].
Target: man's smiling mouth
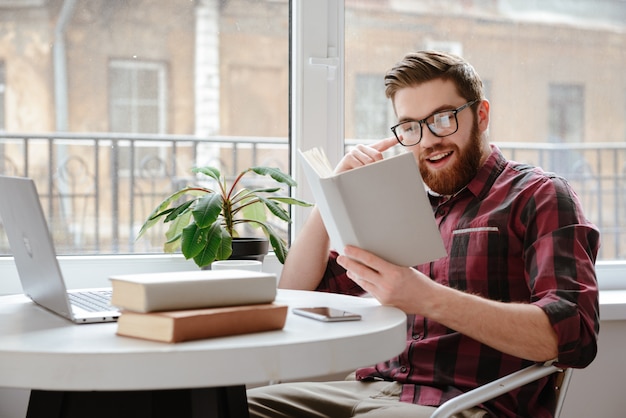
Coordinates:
[438,157]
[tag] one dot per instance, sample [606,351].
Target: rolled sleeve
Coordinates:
[566,289]
[335,279]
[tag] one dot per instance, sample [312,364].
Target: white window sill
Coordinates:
[93,271]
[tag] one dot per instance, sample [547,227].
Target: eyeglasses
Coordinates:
[444,123]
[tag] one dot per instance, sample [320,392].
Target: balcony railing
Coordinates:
[97,189]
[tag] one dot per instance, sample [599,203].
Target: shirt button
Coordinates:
[416,336]
[441,212]
[403,369]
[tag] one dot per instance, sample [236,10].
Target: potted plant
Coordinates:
[204,226]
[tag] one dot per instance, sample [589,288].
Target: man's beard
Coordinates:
[452,179]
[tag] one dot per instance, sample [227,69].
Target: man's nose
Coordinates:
[428,138]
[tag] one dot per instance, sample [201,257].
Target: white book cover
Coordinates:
[150,292]
[381,207]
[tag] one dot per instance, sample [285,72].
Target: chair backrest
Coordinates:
[505,384]
[562,382]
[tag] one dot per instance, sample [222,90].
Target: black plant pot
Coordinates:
[249,249]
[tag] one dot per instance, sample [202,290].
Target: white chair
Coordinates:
[505,384]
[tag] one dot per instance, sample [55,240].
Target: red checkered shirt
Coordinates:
[514,234]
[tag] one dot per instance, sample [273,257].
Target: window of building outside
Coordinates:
[137,100]
[567,116]
[137,97]
[371,118]
[2,94]
[88,84]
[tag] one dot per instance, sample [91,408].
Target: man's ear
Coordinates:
[483,115]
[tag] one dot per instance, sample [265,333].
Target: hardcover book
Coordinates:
[149,292]
[195,324]
[381,207]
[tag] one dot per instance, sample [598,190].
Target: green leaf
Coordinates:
[193,240]
[177,225]
[266,190]
[278,245]
[276,209]
[226,247]
[276,174]
[160,210]
[217,245]
[177,211]
[254,211]
[172,245]
[208,171]
[290,200]
[207,210]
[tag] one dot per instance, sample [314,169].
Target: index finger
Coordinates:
[384,144]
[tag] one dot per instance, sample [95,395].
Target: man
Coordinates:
[518,285]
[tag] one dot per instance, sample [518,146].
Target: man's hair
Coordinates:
[419,67]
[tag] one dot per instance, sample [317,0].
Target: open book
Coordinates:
[381,207]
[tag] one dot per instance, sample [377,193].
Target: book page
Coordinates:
[318,160]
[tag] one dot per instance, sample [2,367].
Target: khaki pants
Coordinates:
[338,400]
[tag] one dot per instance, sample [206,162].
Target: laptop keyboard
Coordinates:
[92,301]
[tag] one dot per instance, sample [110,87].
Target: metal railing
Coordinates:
[97,189]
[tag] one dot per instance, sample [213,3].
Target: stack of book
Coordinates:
[182,306]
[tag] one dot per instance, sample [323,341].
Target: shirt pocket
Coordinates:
[478,256]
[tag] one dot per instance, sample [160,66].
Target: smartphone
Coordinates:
[326,314]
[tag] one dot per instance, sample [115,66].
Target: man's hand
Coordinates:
[365,154]
[390,284]
[520,329]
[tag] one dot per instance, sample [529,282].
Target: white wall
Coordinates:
[597,391]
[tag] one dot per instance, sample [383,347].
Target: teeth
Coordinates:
[439,157]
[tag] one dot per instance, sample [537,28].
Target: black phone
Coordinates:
[326,314]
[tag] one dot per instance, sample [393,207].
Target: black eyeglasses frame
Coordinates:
[423,121]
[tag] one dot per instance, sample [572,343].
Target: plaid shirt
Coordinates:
[514,234]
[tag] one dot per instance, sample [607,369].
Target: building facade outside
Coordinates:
[124,76]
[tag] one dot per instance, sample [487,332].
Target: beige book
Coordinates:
[150,292]
[195,324]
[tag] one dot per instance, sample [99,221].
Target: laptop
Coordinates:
[35,258]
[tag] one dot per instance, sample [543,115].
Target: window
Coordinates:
[371,108]
[137,97]
[566,113]
[174,84]
[3,89]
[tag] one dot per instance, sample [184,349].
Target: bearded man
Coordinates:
[518,285]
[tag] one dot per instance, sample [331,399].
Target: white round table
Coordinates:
[39,350]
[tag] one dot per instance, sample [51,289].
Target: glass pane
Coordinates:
[148,85]
[2,95]
[142,92]
[566,112]
[370,108]
[552,73]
